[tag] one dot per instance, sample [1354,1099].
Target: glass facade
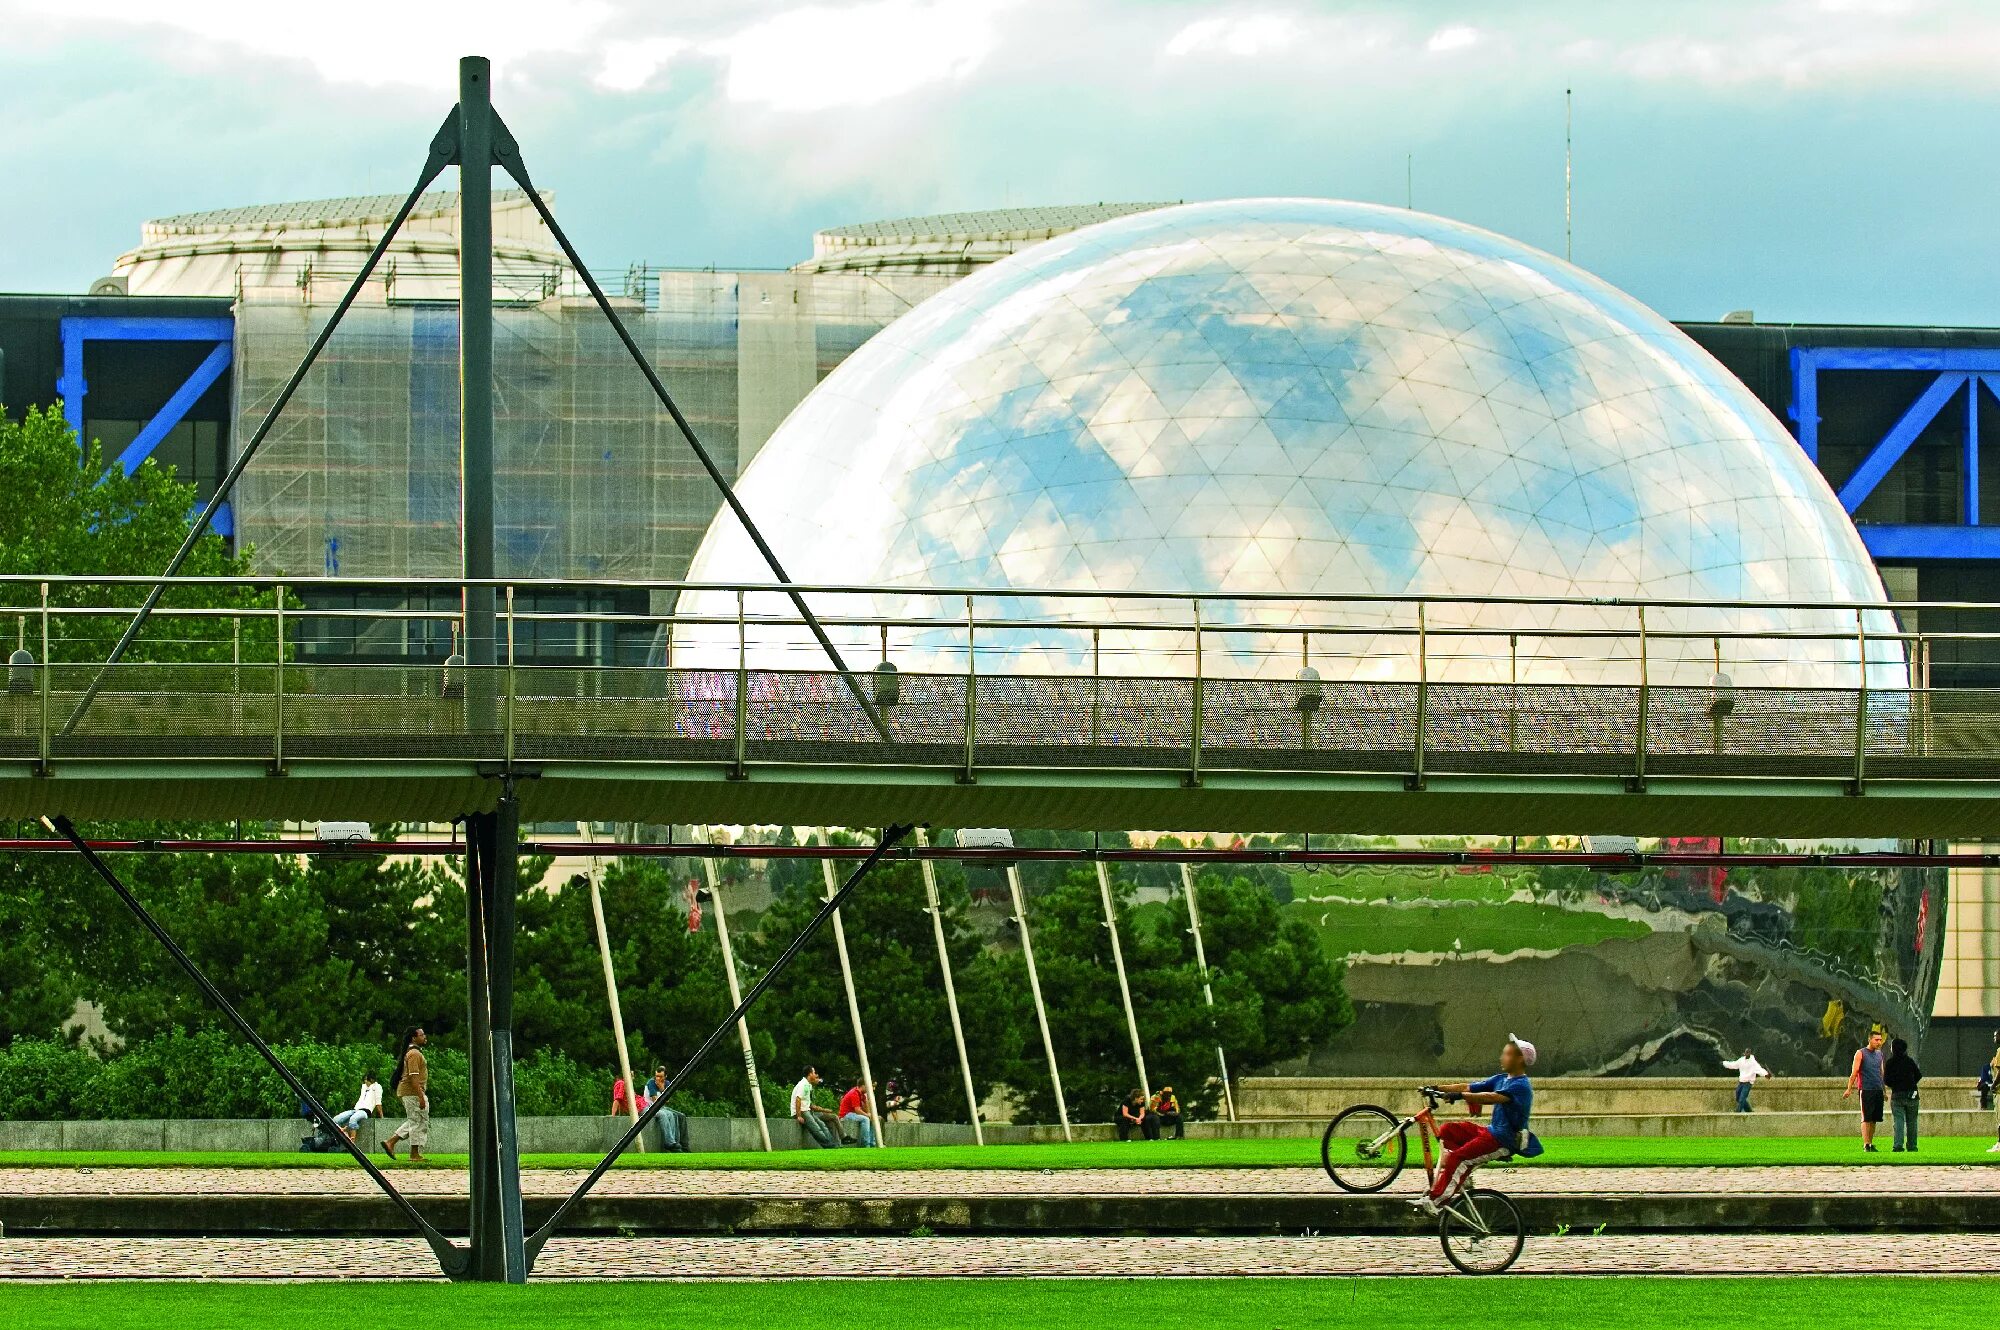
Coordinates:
[1665,971]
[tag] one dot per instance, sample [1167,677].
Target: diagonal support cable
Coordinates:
[508,154]
[891,837]
[451,1257]
[444,151]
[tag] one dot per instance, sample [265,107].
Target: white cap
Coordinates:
[1527,1049]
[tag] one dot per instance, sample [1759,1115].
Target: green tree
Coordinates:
[327,949]
[671,986]
[1276,993]
[901,995]
[75,515]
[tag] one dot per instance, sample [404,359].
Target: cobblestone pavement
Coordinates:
[1532,1179]
[881,1258]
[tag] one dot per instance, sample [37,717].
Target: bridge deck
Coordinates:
[693,745]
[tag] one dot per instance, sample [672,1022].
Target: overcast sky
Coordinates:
[1811,159]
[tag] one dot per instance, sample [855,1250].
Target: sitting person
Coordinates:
[1470,1144]
[1167,1112]
[810,1116]
[368,1104]
[854,1110]
[1133,1115]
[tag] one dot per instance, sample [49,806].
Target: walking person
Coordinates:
[367,1105]
[1747,1069]
[1901,1074]
[810,1116]
[1867,1078]
[413,1080]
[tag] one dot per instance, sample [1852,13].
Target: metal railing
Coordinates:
[973,680]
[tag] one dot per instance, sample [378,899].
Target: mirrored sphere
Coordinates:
[1314,398]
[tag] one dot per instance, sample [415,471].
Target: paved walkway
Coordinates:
[1527,1180]
[998,1257]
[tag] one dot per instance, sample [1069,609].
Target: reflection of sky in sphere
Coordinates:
[1307,397]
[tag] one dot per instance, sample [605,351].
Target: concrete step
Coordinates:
[1329,1212]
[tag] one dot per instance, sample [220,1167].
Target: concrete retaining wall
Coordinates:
[592,1135]
[595,1135]
[1328,1211]
[1320,1097]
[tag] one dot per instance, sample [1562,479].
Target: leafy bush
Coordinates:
[208,1074]
[44,1079]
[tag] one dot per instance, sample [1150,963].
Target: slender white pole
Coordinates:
[1569,255]
[736,1000]
[1035,988]
[611,992]
[1124,988]
[853,1003]
[1207,990]
[950,992]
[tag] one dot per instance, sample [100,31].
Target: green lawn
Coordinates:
[1500,926]
[1302,1152]
[1210,1304]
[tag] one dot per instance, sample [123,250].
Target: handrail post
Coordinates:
[1638,783]
[740,771]
[1416,779]
[1513,692]
[966,776]
[1195,720]
[278,694]
[507,711]
[48,667]
[1096,685]
[1859,785]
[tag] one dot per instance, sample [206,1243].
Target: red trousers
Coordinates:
[1467,1145]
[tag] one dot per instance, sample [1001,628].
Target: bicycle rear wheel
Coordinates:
[1363,1149]
[1482,1232]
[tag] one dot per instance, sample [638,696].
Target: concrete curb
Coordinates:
[1191,1215]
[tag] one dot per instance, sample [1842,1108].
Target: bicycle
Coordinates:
[1366,1147]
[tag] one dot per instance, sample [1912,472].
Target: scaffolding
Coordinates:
[360,477]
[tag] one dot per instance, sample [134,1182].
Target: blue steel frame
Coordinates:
[71,387]
[1956,371]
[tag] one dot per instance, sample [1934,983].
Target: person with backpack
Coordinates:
[413,1079]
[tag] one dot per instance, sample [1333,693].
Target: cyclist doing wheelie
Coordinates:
[1470,1144]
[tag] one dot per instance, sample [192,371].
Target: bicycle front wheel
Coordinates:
[1482,1232]
[1364,1148]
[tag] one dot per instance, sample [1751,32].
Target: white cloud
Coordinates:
[629,66]
[818,57]
[369,42]
[1248,35]
[1455,38]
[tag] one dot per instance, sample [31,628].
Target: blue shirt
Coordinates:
[1510,1120]
[1871,1069]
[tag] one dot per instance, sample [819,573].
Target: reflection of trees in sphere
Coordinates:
[1299,396]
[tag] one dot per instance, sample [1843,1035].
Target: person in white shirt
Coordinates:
[811,1116]
[368,1105]
[1747,1069]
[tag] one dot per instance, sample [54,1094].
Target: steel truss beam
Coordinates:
[1956,371]
[1001,857]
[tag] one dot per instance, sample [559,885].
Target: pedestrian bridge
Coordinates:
[317,699]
